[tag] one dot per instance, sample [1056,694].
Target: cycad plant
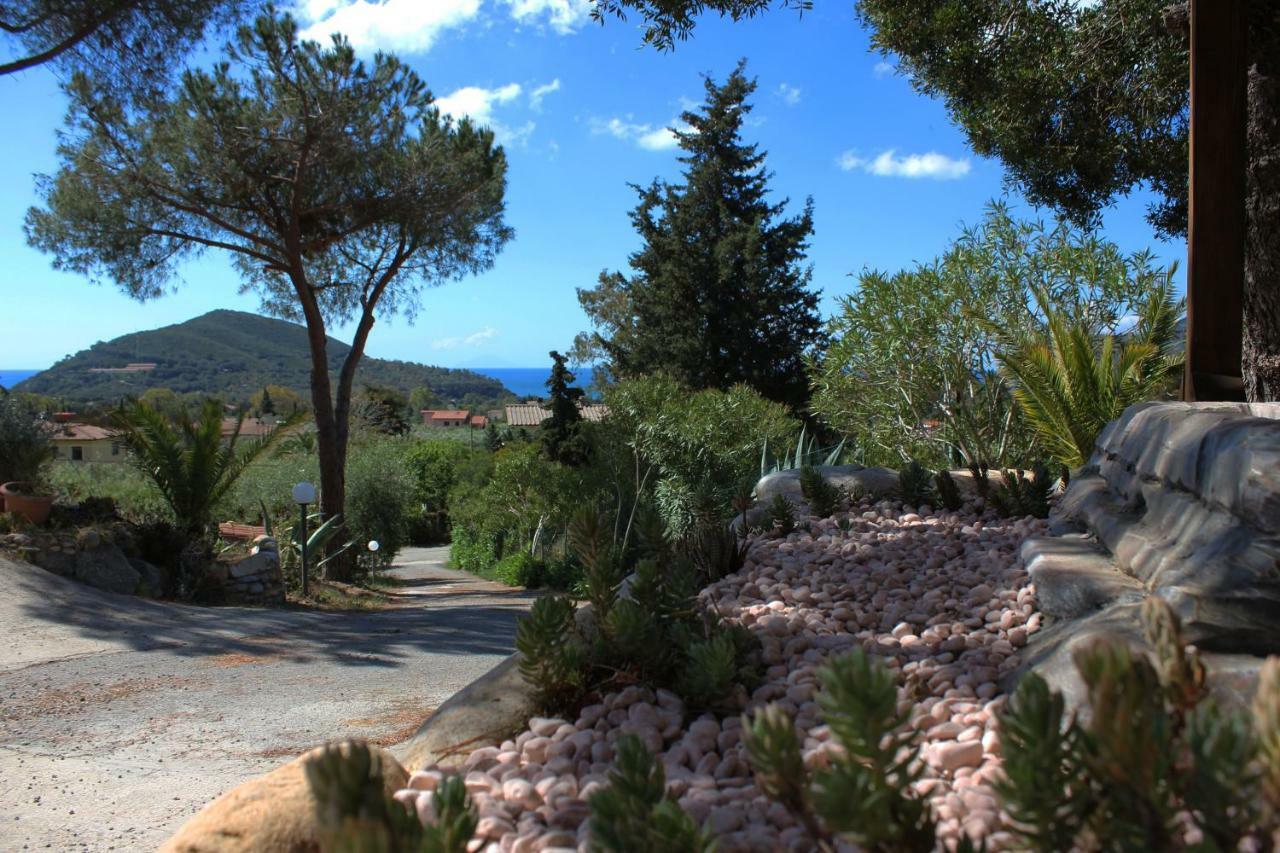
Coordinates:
[1071,379]
[188,459]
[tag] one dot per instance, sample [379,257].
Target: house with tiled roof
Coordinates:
[76,442]
[532,414]
[446,418]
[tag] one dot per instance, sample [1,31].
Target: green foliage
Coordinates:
[948,491]
[521,569]
[865,792]
[553,658]
[188,461]
[915,484]
[715,551]
[380,504]
[1156,759]
[697,446]
[657,635]
[1019,496]
[1080,102]
[562,438]
[781,515]
[909,372]
[380,410]
[226,353]
[634,813]
[719,292]
[823,498]
[803,454]
[436,468]
[24,442]
[355,814]
[1072,378]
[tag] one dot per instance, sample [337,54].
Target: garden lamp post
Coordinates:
[304,493]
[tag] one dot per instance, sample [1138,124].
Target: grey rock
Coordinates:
[1181,501]
[484,713]
[106,568]
[261,563]
[152,580]
[875,482]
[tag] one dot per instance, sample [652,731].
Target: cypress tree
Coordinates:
[719,293]
[561,433]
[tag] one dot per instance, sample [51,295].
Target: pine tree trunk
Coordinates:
[1261,345]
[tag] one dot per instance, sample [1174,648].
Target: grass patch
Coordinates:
[334,595]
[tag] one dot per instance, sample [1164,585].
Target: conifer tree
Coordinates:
[719,293]
[267,406]
[561,433]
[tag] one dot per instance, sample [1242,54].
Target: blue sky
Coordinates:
[582,110]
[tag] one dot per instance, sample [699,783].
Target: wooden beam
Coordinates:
[1216,233]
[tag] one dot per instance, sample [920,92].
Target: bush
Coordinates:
[1159,765]
[1018,496]
[658,635]
[379,502]
[435,467]
[781,515]
[698,445]
[24,442]
[823,498]
[915,484]
[634,811]
[520,570]
[948,491]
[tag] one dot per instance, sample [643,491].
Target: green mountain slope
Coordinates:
[232,354]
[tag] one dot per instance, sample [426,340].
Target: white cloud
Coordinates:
[477,102]
[645,135]
[888,165]
[564,16]
[471,340]
[540,92]
[400,25]
[790,94]
[883,69]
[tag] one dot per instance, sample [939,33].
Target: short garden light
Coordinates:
[304,493]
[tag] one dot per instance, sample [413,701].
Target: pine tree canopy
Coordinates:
[719,294]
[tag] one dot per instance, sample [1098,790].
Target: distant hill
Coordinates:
[232,354]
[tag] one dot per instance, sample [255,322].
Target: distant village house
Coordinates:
[75,442]
[532,414]
[446,418]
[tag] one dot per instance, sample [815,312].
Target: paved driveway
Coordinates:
[120,717]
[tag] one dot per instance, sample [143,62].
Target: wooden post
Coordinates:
[1216,232]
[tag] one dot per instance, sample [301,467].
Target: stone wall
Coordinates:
[1181,501]
[102,558]
[255,580]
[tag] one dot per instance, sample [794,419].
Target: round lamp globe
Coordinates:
[304,493]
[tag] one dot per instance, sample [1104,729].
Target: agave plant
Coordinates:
[188,459]
[1073,381]
[806,452]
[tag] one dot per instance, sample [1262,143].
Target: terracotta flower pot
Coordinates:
[34,508]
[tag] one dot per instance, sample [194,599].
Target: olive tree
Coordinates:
[337,188]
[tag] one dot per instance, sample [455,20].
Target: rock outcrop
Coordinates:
[1181,501]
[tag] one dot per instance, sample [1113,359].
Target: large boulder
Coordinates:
[1181,501]
[101,565]
[875,482]
[275,812]
[489,710]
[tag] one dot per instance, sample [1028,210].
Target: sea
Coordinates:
[523,381]
[532,381]
[9,378]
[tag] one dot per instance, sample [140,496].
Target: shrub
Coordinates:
[634,811]
[823,498]
[698,445]
[1072,379]
[781,515]
[715,551]
[1019,496]
[915,484]
[24,442]
[657,635]
[379,503]
[435,467]
[948,491]
[1157,766]
[354,812]
[520,569]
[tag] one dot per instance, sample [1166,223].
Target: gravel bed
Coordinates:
[939,597]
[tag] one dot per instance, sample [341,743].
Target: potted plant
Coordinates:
[24,451]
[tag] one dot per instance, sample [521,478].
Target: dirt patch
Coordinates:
[84,696]
[393,726]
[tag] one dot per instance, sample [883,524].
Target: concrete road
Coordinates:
[121,717]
